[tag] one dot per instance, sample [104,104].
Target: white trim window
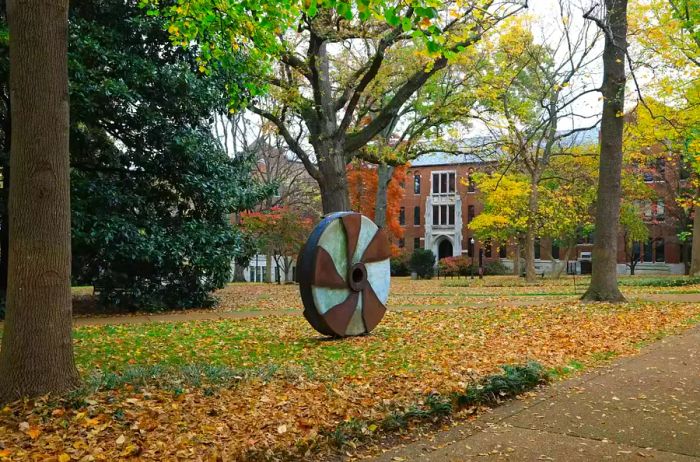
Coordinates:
[444,183]
[443,215]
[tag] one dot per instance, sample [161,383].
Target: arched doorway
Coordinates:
[444,249]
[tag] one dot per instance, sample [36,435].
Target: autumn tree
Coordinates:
[37,348]
[314,96]
[611,18]
[634,232]
[281,231]
[363,182]
[531,88]
[667,44]
[564,195]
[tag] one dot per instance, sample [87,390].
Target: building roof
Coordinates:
[445,158]
[483,154]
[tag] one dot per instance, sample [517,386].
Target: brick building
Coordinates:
[440,201]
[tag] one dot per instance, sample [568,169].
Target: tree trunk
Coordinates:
[558,272]
[238,273]
[268,265]
[603,285]
[4,227]
[335,196]
[516,259]
[695,257]
[37,348]
[533,206]
[384,174]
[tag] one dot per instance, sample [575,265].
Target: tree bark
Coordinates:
[238,273]
[533,206]
[561,269]
[335,195]
[516,259]
[37,349]
[695,257]
[603,285]
[384,174]
[4,227]
[268,265]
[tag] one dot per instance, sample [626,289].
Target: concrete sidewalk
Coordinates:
[642,408]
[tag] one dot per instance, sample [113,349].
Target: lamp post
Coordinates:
[481,263]
[471,251]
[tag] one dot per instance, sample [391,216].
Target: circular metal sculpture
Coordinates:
[344,275]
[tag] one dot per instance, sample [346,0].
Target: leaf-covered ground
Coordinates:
[270,387]
[456,291]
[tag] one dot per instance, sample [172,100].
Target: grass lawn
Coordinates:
[271,387]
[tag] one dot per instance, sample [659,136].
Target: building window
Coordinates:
[538,249]
[416,243]
[402,216]
[443,215]
[470,213]
[489,249]
[402,243]
[416,215]
[503,251]
[416,183]
[660,210]
[659,251]
[444,183]
[648,251]
[555,251]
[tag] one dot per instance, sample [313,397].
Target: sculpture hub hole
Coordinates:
[357,275]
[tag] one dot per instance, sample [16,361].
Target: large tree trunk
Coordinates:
[695,257]
[384,174]
[561,269]
[4,227]
[335,195]
[238,273]
[268,265]
[530,235]
[603,285]
[516,258]
[37,349]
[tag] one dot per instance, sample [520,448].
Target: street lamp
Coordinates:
[471,251]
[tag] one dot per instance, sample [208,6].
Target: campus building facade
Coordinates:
[440,201]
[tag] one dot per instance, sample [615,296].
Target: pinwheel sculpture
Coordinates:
[344,275]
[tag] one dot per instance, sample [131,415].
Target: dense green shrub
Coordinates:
[422,262]
[463,266]
[151,187]
[514,380]
[400,265]
[495,268]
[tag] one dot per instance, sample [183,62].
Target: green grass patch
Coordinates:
[660,281]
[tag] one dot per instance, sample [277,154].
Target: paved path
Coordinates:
[216,315]
[642,408]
